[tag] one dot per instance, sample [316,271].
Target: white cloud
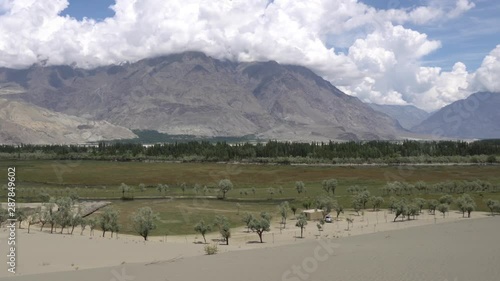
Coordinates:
[382,63]
[487,76]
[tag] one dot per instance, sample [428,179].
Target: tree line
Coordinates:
[391,151]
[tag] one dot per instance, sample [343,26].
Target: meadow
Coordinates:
[256,187]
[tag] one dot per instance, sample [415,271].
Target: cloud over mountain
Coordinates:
[369,53]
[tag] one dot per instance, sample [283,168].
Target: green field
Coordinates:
[101,180]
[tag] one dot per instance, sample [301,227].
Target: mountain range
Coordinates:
[476,117]
[408,116]
[192,94]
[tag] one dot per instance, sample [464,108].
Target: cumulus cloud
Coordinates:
[486,77]
[382,62]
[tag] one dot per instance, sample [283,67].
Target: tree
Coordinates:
[294,209]
[225,186]
[32,219]
[75,220]
[420,202]
[339,209]
[325,204]
[161,188]
[247,218]
[491,159]
[356,204]
[307,204]
[21,216]
[493,205]
[123,188]
[108,220]
[222,223]
[83,224]
[225,231]
[465,204]
[142,187]
[64,212]
[443,208]
[301,222]
[401,209]
[350,221]
[271,191]
[362,198]
[283,210]
[446,199]
[413,211]
[144,221]
[183,188]
[377,201]
[202,228]
[262,224]
[300,187]
[330,185]
[92,222]
[432,205]
[196,188]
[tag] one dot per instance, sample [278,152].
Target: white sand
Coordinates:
[72,254]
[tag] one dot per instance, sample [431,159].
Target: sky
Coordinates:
[426,53]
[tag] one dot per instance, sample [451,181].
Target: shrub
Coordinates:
[211,249]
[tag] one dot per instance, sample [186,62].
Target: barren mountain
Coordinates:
[194,94]
[24,123]
[407,115]
[477,117]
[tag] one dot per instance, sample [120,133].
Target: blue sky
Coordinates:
[96,9]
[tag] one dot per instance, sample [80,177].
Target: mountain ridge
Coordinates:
[191,93]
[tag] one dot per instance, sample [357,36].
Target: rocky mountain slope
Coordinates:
[477,117]
[194,94]
[24,123]
[407,115]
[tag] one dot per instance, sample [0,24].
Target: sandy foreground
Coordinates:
[374,248]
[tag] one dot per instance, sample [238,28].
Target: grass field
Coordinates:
[101,180]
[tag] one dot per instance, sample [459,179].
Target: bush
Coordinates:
[211,249]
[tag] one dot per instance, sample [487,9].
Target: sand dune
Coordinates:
[445,249]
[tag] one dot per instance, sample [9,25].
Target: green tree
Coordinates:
[420,202]
[493,205]
[329,185]
[301,222]
[432,206]
[283,210]
[400,209]
[339,209]
[202,228]
[108,220]
[377,202]
[262,224]
[225,186]
[300,187]
[144,221]
[443,208]
[466,204]
[325,204]
[446,199]
[294,209]
[247,218]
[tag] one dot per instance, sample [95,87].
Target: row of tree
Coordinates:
[222,151]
